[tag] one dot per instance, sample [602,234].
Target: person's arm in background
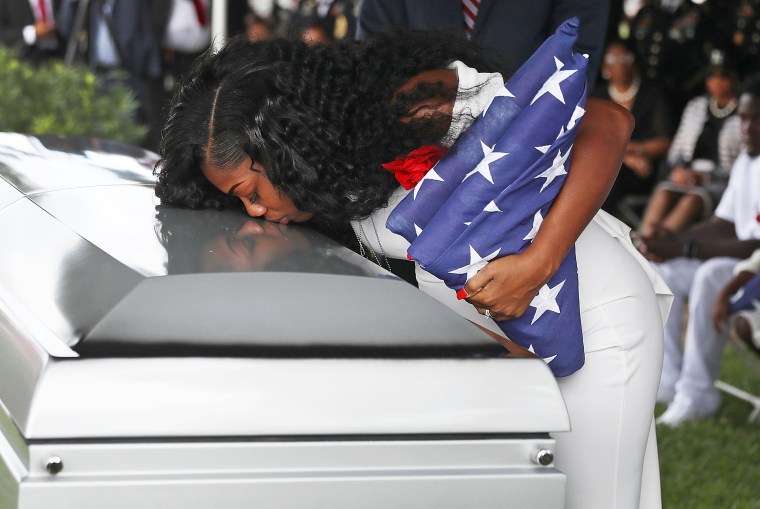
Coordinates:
[593,16]
[716,237]
[507,285]
[376,15]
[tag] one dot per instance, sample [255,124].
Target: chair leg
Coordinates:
[754,416]
[745,353]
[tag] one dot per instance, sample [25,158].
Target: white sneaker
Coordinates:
[684,409]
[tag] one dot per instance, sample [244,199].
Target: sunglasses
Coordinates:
[618,59]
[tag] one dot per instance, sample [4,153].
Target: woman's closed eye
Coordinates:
[252,198]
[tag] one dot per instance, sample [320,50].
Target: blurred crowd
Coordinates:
[148,45]
[677,65]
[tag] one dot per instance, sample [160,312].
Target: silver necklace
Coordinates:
[363,253]
[723,112]
[628,95]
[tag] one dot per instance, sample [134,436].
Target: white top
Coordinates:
[604,251]
[740,203]
[183,31]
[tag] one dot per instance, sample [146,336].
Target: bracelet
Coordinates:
[690,248]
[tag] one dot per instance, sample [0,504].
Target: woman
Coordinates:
[297,133]
[651,136]
[705,146]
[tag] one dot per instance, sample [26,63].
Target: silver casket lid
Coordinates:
[121,319]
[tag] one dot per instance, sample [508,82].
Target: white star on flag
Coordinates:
[503,92]
[552,84]
[430,175]
[489,156]
[543,148]
[577,115]
[492,207]
[417,229]
[756,304]
[555,170]
[477,262]
[546,300]
[537,220]
[545,359]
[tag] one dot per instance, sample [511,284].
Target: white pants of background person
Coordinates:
[610,455]
[689,373]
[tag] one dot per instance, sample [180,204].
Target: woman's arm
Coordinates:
[506,286]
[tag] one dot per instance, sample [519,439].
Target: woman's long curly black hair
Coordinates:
[319,119]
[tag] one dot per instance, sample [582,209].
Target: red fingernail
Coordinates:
[408,257]
[462,294]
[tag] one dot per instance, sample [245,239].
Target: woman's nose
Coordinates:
[254,209]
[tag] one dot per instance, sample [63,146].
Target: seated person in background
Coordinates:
[651,135]
[705,146]
[696,264]
[741,297]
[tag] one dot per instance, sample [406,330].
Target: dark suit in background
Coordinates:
[512,29]
[17,14]
[137,51]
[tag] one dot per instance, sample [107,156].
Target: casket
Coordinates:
[157,358]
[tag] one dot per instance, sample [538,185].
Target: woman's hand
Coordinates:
[507,286]
[685,177]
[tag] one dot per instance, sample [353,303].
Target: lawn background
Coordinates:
[715,464]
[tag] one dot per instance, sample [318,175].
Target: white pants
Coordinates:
[692,371]
[610,455]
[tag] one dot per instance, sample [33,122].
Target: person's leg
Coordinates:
[610,400]
[659,205]
[696,396]
[686,210]
[677,274]
[651,497]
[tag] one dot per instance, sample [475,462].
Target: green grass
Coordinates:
[714,464]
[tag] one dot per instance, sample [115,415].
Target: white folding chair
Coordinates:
[752,360]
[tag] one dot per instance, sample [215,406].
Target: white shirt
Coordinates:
[740,203]
[184,32]
[29,32]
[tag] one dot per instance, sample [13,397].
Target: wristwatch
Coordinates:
[690,248]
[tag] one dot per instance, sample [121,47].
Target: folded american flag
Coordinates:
[487,196]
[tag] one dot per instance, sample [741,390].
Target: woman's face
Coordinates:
[719,86]
[249,182]
[255,246]
[618,63]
